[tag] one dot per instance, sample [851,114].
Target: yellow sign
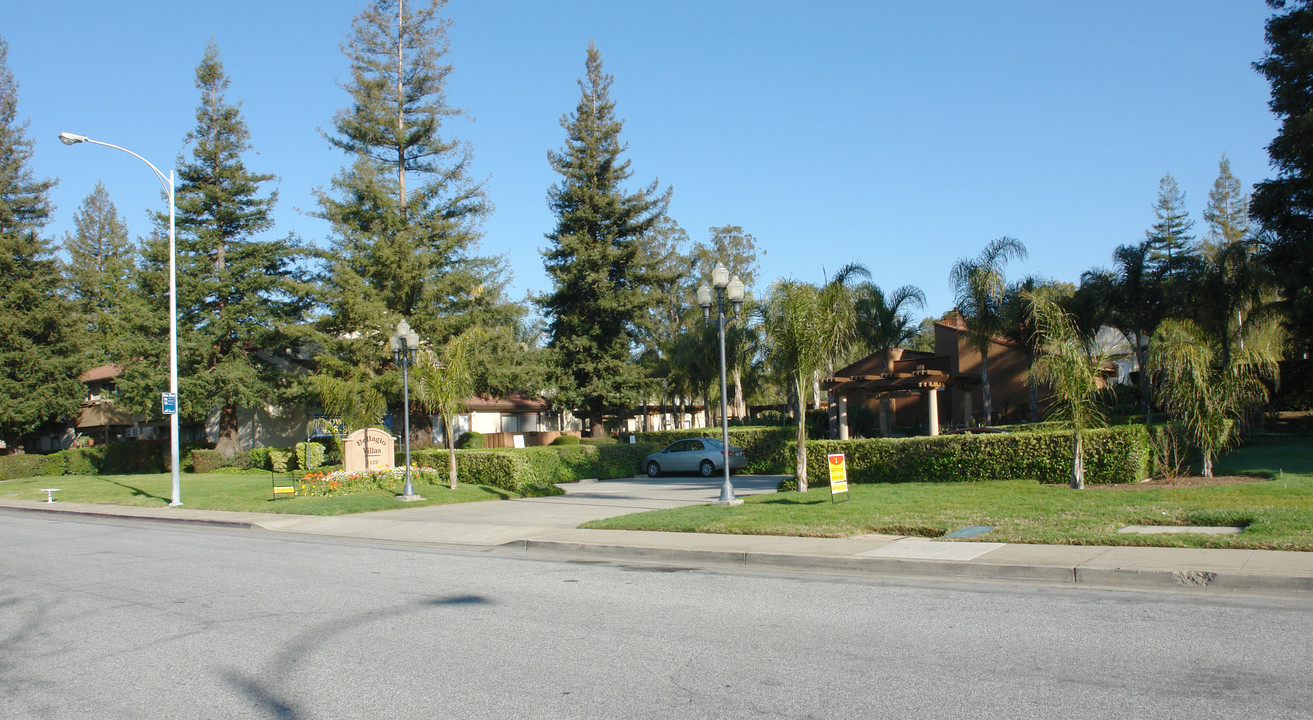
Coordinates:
[838,474]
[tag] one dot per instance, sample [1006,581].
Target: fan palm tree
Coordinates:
[443,386]
[839,333]
[883,323]
[1210,390]
[980,287]
[795,318]
[1069,363]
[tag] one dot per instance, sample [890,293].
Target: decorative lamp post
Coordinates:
[733,291]
[405,342]
[170,401]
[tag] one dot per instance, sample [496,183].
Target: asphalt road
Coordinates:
[121,619]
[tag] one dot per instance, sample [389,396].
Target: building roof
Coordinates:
[515,402]
[104,372]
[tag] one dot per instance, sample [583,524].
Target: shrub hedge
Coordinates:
[137,456]
[13,467]
[1112,455]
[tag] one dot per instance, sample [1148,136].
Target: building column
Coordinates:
[932,397]
[843,417]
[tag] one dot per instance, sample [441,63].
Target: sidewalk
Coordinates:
[549,525]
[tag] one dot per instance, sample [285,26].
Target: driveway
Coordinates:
[496,522]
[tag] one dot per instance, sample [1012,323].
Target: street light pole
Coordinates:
[167,181]
[405,343]
[733,289]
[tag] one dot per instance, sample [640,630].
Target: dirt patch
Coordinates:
[1191,481]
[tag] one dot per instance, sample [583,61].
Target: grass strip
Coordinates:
[1277,514]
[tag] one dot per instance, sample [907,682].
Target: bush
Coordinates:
[135,456]
[309,455]
[83,461]
[278,460]
[206,461]
[598,441]
[260,457]
[1112,455]
[566,440]
[508,469]
[13,467]
[470,440]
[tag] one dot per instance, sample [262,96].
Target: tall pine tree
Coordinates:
[1284,204]
[101,260]
[1170,241]
[406,213]
[238,293]
[38,353]
[595,260]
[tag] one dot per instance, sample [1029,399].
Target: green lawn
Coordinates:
[1276,514]
[246,492]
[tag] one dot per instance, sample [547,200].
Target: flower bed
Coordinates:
[317,484]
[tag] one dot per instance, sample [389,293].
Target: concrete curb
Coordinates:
[175,520]
[1125,578]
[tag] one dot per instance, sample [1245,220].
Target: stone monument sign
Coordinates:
[368,449]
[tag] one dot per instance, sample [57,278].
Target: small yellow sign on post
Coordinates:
[838,476]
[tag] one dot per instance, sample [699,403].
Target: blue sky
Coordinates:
[899,135]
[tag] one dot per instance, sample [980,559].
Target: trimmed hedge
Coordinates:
[82,461]
[506,470]
[135,456]
[470,440]
[537,470]
[207,460]
[13,467]
[1112,455]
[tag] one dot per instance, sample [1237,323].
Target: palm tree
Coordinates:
[1132,298]
[1208,390]
[1019,327]
[794,317]
[1069,363]
[839,333]
[980,287]
[443,386]
[883,323]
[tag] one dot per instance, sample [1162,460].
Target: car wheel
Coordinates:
[653,469]
[707,468]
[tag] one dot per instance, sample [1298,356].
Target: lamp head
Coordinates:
[412,341]
[735,293]
[704,300]
[69,138]
[720,276]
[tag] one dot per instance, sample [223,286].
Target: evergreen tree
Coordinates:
[100,268]
[1284,204]
[38,354]
[1170,242]
[237,292]
[596,257]
[1227,213]
[405,212]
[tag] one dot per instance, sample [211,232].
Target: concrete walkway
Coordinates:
[551,525]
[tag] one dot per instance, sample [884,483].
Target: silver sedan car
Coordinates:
[694,455]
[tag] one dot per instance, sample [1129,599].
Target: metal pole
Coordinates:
[405,394]
[726,489]
[173,346]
